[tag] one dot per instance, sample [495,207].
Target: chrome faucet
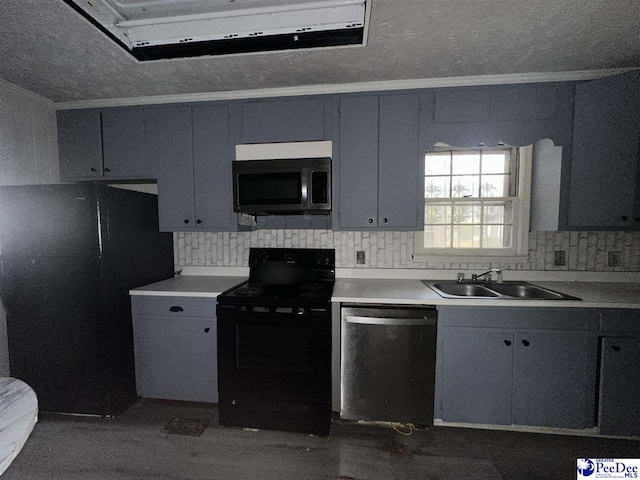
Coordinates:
[487,275]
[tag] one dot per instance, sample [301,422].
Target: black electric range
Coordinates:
[274,342]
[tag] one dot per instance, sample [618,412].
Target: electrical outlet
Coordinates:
[615,259]
[560,258]
[360,257]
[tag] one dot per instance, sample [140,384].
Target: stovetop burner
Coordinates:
[248,290]
[285,277]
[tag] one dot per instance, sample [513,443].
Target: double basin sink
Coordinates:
[496,291]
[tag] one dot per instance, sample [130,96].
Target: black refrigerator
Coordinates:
[69,256]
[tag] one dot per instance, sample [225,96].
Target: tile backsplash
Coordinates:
[584,251]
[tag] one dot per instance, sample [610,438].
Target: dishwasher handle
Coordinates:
[425,321]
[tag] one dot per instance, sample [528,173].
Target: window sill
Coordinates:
[517,259]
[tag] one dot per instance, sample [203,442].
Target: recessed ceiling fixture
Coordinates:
[158,29]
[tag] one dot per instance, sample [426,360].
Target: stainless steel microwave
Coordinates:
[285,186]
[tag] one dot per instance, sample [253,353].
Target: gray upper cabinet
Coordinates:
[398,161]
[108,144]
[212,167]
[477,376]
[122,142]
[377,161]
[176,206]
[358,162]
[606,146]
[285,120]
[80,144]
[550,378]
[194,181]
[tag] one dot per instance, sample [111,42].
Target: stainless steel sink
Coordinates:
[463,290]
[526,291]
[496,291]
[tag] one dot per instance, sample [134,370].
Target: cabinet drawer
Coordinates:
[621,321]
[531,318]
[174,306]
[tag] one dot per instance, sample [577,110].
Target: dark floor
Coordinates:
[133,446]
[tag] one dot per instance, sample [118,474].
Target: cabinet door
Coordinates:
[175,179]
[619,386]
[151,142]
[176,359]
[477,376]
[80,144]
[604,157]
[212,167]
[285,120]
[398,157]
[551,378]
[358,158]
[123,142]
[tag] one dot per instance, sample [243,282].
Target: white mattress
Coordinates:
[18,416]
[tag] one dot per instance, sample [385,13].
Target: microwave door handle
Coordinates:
[305,188]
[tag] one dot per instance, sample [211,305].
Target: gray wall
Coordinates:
[28,155]
[28,138]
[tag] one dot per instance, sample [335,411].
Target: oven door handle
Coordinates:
[426,320]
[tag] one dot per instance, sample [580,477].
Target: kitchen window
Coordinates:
[476,203]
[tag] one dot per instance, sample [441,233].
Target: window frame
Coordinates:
[518,252]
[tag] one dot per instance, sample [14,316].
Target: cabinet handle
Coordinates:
[624,218]
[526,343]
[176,309]
[385,220]
[371,220]
[206,330]
[507,343]
[107,169]
[186,221]
[93,169]
[615,348]
[198,222]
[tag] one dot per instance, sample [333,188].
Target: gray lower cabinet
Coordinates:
[376,161]
[175,348]
[477,376]
[551,379]
[194,181]
[512,369]
[619,386]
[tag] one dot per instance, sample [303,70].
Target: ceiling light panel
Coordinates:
[153,29]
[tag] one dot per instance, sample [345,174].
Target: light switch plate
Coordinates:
[360,257]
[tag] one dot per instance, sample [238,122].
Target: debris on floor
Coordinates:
[186,426]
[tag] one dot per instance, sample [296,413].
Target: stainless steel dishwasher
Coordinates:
[388,356]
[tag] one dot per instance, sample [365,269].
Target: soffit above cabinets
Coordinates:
[157,29]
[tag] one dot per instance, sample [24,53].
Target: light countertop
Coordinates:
[414,292]
[190,286]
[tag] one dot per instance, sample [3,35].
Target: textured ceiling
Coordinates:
[47,48]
